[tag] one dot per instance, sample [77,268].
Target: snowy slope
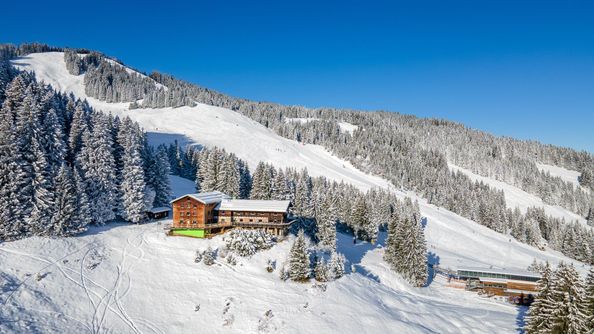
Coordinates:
[135,279]
[377,297]
[516,197]
[210,126]
[458,241]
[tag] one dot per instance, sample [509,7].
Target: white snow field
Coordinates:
[124,278]
[516,197]
[161,291]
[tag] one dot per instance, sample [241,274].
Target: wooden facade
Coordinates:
[518,286]
[190,213]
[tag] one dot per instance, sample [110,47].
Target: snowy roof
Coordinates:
[254,205]
[206,198]
[159,209]
[514,272]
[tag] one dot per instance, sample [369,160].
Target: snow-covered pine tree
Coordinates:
[302,204]
[97,164]
[360,217]
[589,302]
[539,319]
[392,251]
[299,265]
[245,180]
[133,183]
[321,271]
[53,141]
[567,295]
[229,178]
[280,186]
[27,126]
[210,170]
[39,220]
[406,250]
[336,265]
[65,221]
[261,182]
[160,178]
[83,206]
[326,223]
[79,125]
[11,221]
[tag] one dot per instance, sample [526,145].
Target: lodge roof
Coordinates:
[159,209]
[513,272]
[206,197]
[253,205]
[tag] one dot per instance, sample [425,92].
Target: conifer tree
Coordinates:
[299,265]
[133,182]
[83,206]
[40,219]
[261,182]
[589,302]
[567,295]
[321,271]
[160,178]
[66,220]
[539,313]
[245,180]
[97,164]
[326,223]
[78,126]
[336,265]
[406,250]
[302,202]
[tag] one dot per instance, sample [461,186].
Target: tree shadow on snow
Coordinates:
[354,250]
[432,261]
[521,318]
[157,138]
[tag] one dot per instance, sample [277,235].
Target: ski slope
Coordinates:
[125,278]
[516,197]
[159,295]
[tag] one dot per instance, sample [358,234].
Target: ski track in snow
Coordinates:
[166,277]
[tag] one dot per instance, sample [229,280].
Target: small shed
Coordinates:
[158,213]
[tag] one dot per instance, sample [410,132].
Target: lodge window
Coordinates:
[251,220]
[194,222]
[188,214]
[259,220]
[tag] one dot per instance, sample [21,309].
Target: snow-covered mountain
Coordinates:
[132,278]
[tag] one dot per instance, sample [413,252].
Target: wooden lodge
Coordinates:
[518,286]
[205,214]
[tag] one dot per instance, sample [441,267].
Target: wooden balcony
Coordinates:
[200,226]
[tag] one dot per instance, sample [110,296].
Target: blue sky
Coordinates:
[518,68]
